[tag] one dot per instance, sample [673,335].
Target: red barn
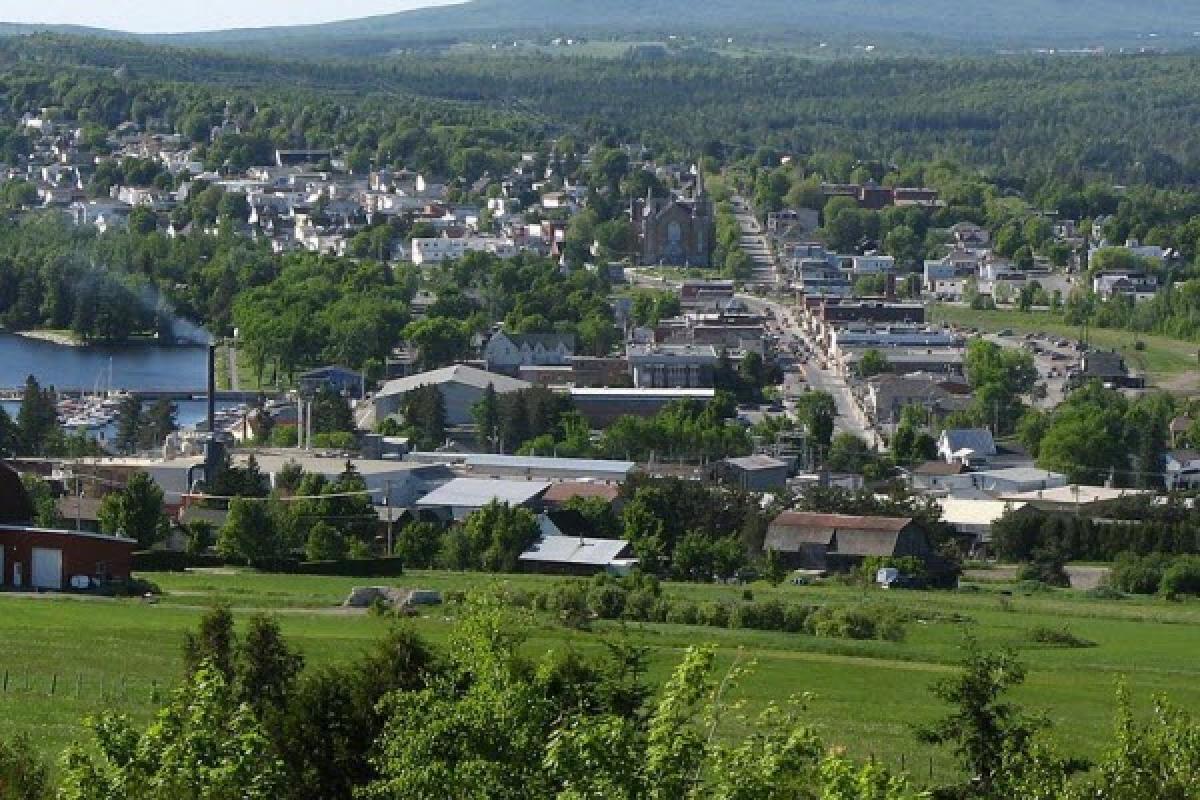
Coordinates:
[36,558]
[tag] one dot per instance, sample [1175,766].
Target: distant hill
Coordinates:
[993,22]
[954,23]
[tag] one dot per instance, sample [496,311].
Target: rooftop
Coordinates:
[1075,495]
[458,373]
[576,550]
[477,493]
[750,463]
[964,511]
[697,394]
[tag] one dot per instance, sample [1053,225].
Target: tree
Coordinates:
[325,543]
[41,496]
[23,774]
[266,669]
[202,745]
[250,531]
[418,545]
[817,410]
[440,341]
[849,453]
[158,423]
[983,728]
[129,424]
[37,419]
[331,412]
[873,363]
[10,437]
[135,511]
[498,534]
[486,413]
[425,416]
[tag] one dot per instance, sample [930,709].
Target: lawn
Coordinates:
[69,658]
[1170,363]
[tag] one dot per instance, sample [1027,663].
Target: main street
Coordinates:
[764,270]
[849,419]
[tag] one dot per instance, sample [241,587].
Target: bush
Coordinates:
[607,601]
[1182,578]
[639,605]
[1133,574]
[1046,567]
[350,568]
[795,618]
[766,616]
[683,612]
[172,561]
[715,615]
[1059,637]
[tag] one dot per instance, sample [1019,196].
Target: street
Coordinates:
[754,243]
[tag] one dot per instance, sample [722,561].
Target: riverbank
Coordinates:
[62,338]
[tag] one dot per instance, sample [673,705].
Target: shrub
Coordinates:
[1133,574]
[683,612]
[1182,578]
[765,616]
[795,618]
[639,605]
[715,615]
[1060,637]
[1046,567]
[607,601]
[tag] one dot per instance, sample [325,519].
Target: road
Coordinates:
[850,418]
[754,243]
[231,357]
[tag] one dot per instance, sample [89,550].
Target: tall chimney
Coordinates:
[212,389]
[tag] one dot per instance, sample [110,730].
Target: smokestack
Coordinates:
[212,389]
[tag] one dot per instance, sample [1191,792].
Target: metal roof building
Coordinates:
[578,555]
[461,496]
[539,467]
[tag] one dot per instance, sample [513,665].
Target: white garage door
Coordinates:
[47,568]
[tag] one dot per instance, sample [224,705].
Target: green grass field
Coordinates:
[122,654]
[1170,363]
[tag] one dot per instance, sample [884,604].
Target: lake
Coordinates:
[135,367]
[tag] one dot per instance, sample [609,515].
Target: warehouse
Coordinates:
[38,558]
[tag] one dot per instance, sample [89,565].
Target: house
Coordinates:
[966,445]
[51,559]
[1108,368]
[1013,480]
[461,387]
[838,542]
[755,473]
[461,497]
[1180,427]
[935,475]
[578,555]
[1183,469]
[1137,285]
[506,353]
[342,380]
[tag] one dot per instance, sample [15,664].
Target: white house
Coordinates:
[966,446]
[508,352]
[1183,469]
[874,265]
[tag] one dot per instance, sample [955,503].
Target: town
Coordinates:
[378,430]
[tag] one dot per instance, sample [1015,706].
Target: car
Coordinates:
[1006,332]
[1062,343]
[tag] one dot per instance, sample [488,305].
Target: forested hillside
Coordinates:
[1129,119]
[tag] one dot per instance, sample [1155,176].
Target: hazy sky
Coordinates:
[174,16]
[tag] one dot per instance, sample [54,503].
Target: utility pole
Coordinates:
[387,500]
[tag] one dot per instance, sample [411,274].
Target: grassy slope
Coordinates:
[1165,360]
[864,693]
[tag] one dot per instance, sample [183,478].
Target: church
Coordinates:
[676,231]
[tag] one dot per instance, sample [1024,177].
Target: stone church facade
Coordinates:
[676,231]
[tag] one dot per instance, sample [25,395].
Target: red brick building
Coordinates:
[36,558]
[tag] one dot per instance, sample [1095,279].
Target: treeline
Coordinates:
[1028,535]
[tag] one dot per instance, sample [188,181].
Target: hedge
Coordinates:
[172,561]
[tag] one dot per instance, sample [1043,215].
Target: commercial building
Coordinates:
[602,407]
[755,473]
